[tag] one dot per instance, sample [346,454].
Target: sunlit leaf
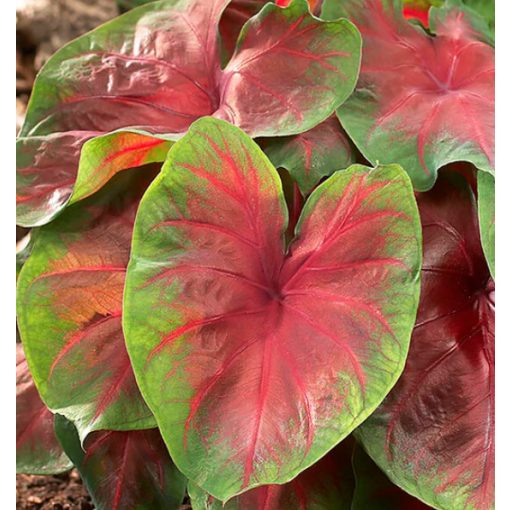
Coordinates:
[230,333]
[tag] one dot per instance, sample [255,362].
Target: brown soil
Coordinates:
[58,492]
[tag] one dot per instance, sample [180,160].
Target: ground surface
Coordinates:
[60,492]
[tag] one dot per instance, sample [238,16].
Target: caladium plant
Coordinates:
[224,290]
[155,70]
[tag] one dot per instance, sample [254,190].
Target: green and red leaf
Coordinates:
[311,156]
[317,63]
[229,333]
[421,101]
[487,218]
[70,310]
[434,433]
[155,70]
[327,485]
[124,470]
[37,449]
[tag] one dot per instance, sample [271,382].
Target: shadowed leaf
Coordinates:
[374,491]
[434,433]
[124,470]
[311,156]
[38,451]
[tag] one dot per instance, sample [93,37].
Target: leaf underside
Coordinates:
[229,308]
[434,433]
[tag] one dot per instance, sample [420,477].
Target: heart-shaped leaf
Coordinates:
[70,310]
[327,485]
[230,335]
[124,470]
[374,491]
[487,218]
[311,156]
[421,101]
[156,69]
[37,449]
[434,433]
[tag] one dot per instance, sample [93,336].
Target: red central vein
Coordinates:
[280,41]
[263,392]
[332,238]
[81,335]
[46,189]
[347,301]
[222,272]
[121,473]
[199,397]
[208,226]
[111,392]
[127,99]
[200,173]
[291,362]
[61,272]
[127,150]
[423,132]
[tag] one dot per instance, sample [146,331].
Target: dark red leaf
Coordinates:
[124,470]
[434,434]
[37,449]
